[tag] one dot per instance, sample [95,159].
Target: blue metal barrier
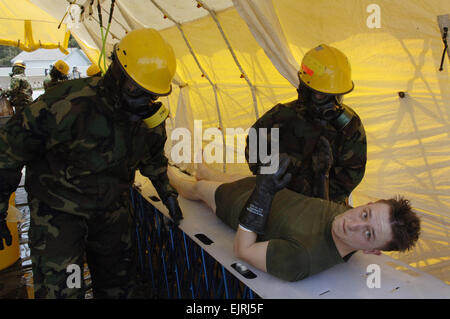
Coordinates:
[174,265]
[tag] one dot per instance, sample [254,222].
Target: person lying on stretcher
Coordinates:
[292,236]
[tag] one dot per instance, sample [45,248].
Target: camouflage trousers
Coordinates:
[59,240]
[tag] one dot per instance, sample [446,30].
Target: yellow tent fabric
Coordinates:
[393,46]
[25,25]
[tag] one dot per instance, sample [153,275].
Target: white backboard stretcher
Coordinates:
[348,280]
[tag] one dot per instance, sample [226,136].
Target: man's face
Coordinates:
[364,227]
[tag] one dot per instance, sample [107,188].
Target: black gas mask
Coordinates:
[325,107]
[138,101]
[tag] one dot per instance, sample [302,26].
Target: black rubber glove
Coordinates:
[174,209]
[256,211]
[4,232]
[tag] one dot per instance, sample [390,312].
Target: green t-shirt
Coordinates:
[298,229]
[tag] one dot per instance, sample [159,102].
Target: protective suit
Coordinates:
[319,113]
[82,142]
[20,92]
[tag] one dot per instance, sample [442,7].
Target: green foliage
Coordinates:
[73,43]
[6,54]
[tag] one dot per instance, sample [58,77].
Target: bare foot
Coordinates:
[183,184]
[202,172]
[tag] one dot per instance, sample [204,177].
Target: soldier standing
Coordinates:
[58,73]
[82,142]
[20,92]
[324,138]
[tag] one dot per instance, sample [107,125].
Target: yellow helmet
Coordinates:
[148,60]
[326,70]
[62,67]
[20,63]
[93,70]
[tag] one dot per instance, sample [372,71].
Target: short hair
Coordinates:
[405,225]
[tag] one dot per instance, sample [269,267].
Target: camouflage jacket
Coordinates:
[20,92]
[299,134]
[80,152]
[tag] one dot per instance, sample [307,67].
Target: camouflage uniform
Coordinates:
[299,135]
[81,154]
[20,92]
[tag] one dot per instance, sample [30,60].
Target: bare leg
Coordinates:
[206,172]
[245,245]
[190,188]
[183,183]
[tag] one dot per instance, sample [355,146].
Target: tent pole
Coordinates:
[230,48]
[166,14]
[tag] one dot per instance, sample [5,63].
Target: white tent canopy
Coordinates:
[237,59]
